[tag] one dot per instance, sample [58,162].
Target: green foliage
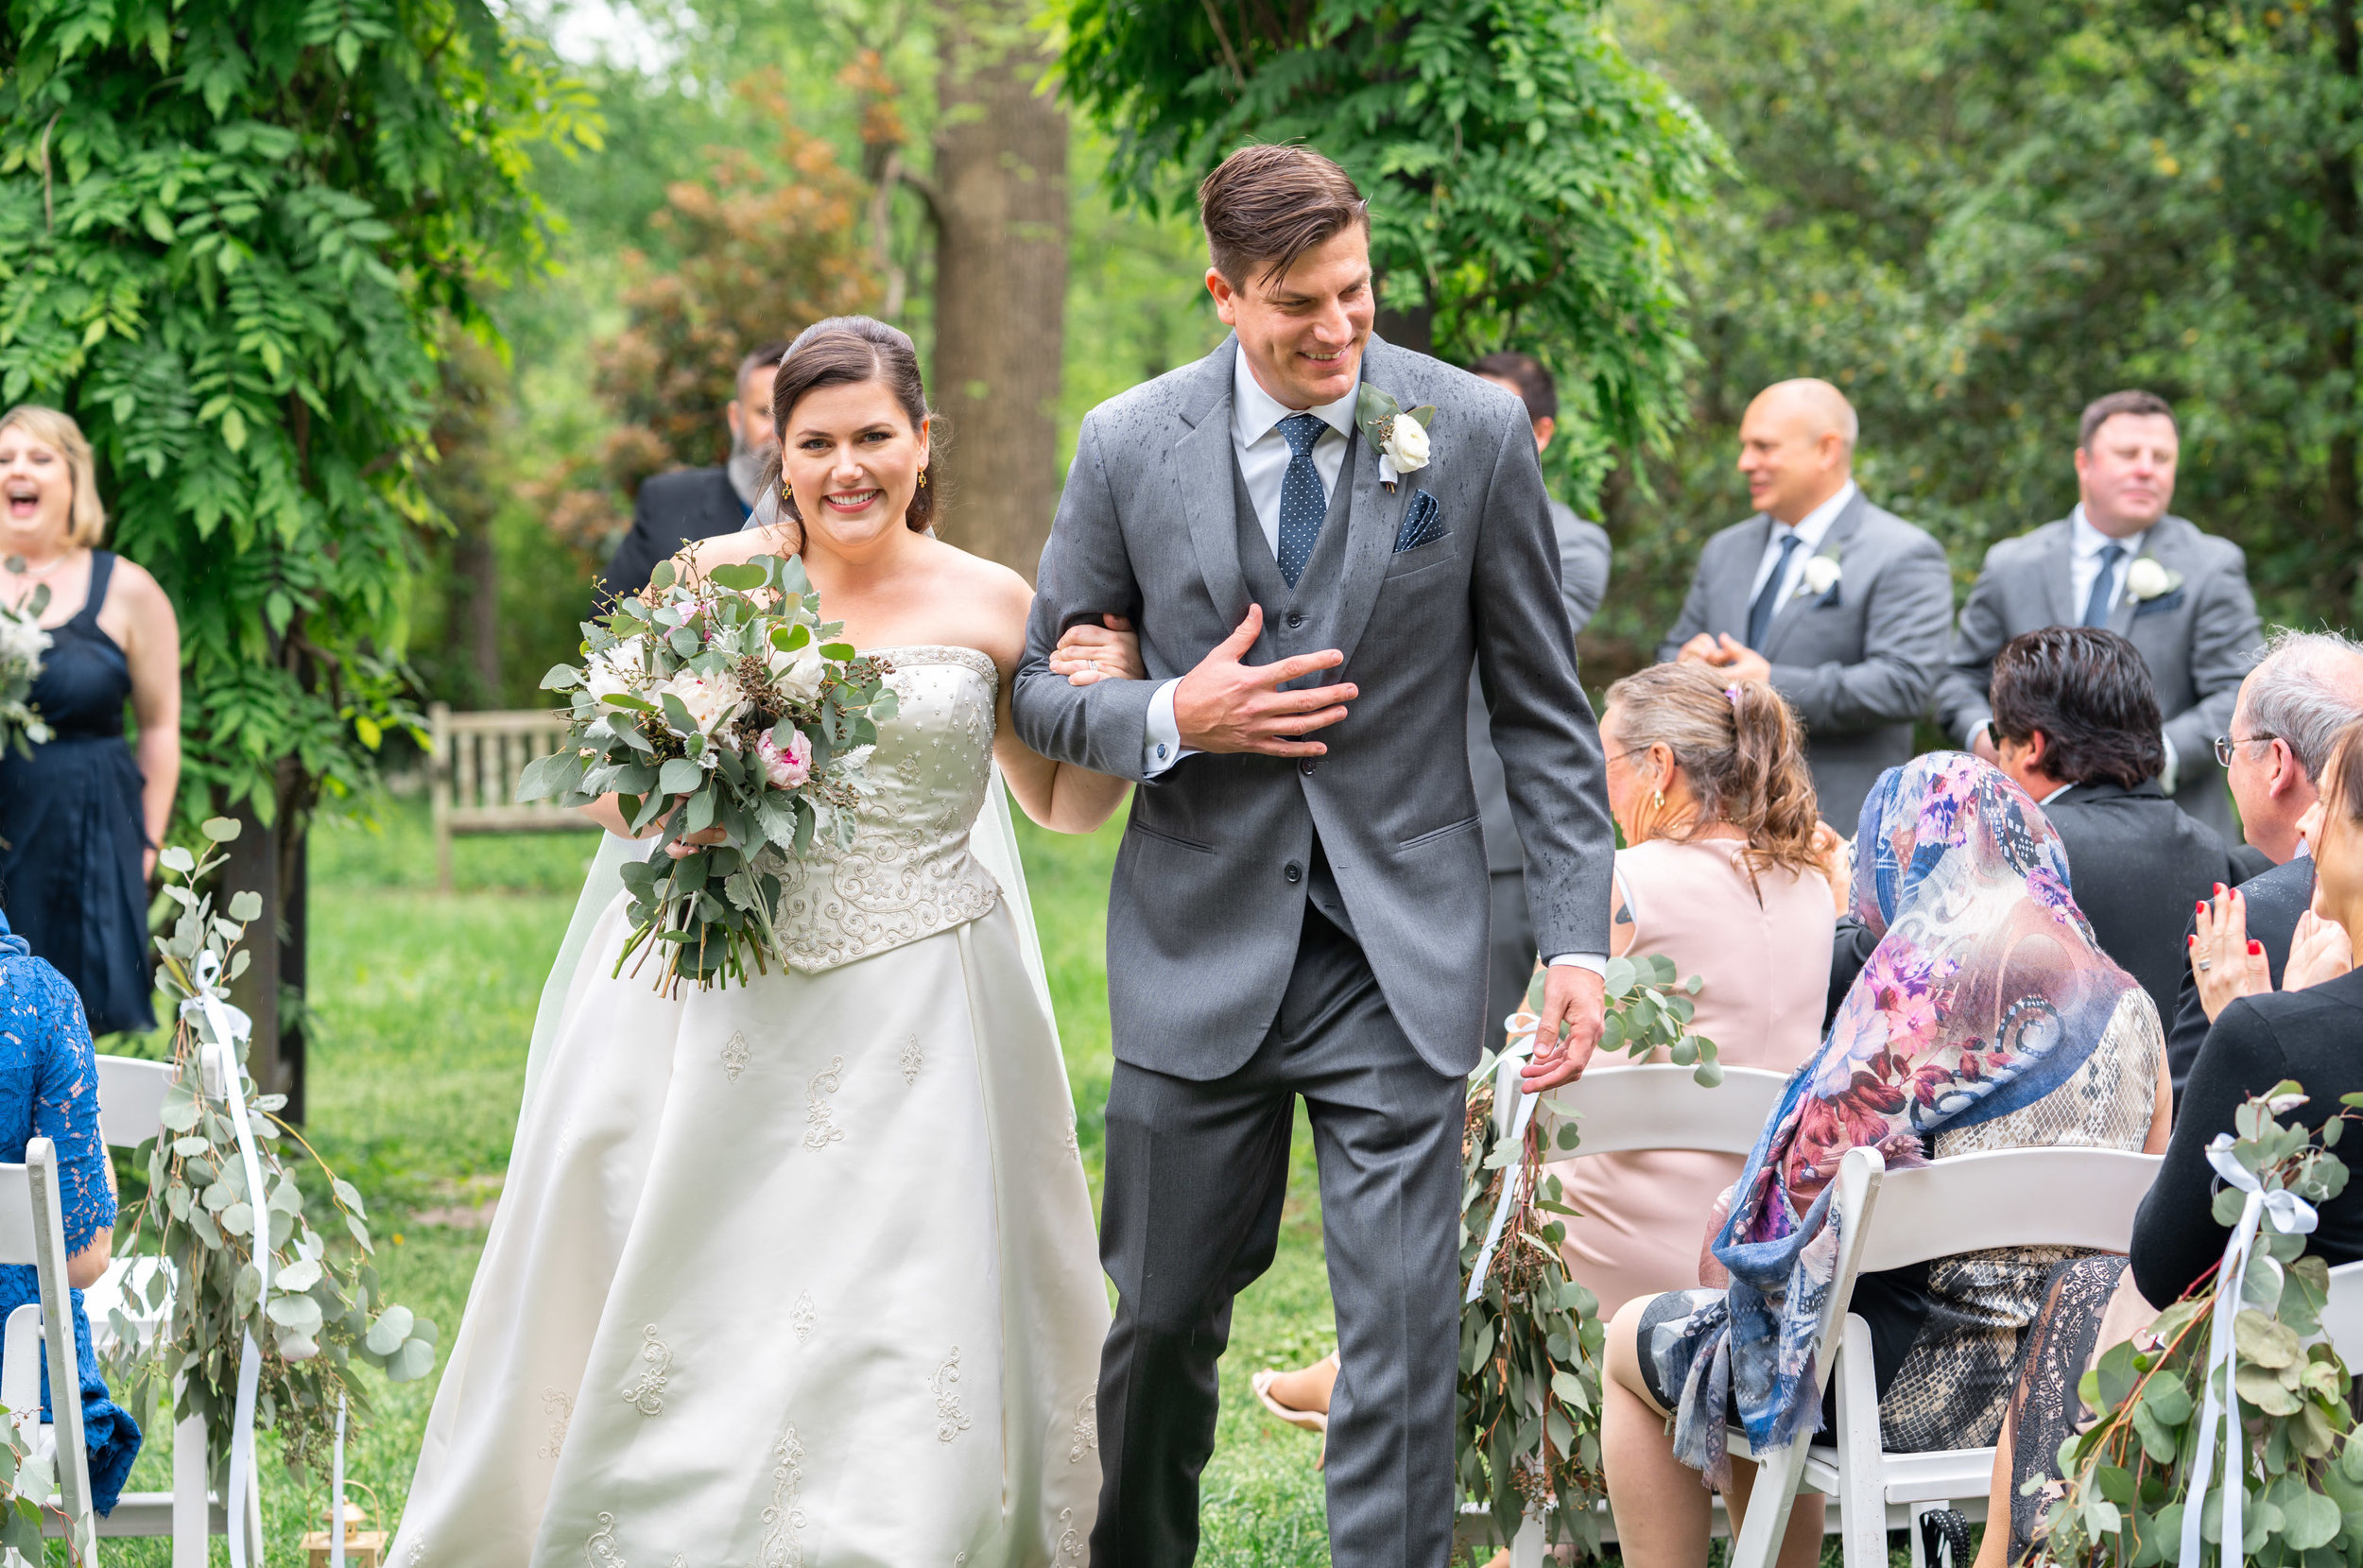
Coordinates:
[1531,1344]
[230,232]
[1975,218]
[325,1309]
[2291,1425]
[1522,172]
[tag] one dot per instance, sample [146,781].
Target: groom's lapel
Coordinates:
[1200,464]
[1374,520]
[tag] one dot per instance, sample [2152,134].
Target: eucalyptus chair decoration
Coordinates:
[2167,1430]
[255,1336]
[1530,1337]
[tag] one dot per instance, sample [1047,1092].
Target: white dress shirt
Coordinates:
[1810,531]
[1263,456]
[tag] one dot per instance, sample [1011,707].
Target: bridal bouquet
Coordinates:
[22,643]
[721,699]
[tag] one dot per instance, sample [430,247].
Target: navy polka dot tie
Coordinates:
[1302,503]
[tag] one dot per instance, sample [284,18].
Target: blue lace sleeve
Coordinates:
[65,1110]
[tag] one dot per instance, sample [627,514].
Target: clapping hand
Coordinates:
[2224,961]
[1088,654]
[1834,853]
[2318,951]
[1726,652]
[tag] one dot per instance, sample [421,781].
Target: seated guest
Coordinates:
[2077,724]
[671,510]
[1708,784]
[2306,1032]
[49,1088]
[1966,884]
[2291,710]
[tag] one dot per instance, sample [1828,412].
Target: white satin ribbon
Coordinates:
[2292,1216]
[336,1495]
[227,1030]
[1520,1044]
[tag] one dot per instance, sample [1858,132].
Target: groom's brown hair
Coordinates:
[1266,206]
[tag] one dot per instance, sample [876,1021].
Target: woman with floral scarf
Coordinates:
[1986,1018]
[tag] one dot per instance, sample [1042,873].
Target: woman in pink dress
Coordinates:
[1722,873]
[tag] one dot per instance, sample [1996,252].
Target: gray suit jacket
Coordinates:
[1583,559]
[1856,663]
[1211,879]
[2199,641]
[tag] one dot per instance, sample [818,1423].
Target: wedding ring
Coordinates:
[2206,963]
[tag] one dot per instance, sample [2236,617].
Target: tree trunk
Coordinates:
[272,861]
[1413,329]
[474,564]
[1000,288]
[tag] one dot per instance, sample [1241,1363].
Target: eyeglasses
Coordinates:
[1993,735]
[2225,745]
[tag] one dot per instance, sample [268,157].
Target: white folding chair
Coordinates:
[2342,1317]
[130,1096]
[32,1231]
[1622,1110]
[1891,1220]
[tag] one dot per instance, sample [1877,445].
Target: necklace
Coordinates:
[17,565]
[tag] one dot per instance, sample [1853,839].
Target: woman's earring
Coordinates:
[922,478]
[1658,799]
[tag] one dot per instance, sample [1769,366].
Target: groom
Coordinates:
[1301,899]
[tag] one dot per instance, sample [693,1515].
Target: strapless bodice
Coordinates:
[909,872]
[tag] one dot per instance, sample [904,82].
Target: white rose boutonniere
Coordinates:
[1821,574]
[2149,578]
[1400,434]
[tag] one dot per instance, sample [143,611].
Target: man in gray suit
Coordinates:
[2121,560]
[1299,905]
[1583,559]
[1840,604]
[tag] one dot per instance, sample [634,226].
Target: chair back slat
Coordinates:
[2010,1198]
[131,1099]
[46,1210]
[1654,1106]
[2342,1319]
[16,1216]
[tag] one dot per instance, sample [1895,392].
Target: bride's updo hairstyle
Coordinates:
[846,351]
[1742,747]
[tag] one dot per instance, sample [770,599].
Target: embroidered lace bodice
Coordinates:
[909,872]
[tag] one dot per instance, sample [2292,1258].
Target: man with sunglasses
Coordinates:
[2291,709]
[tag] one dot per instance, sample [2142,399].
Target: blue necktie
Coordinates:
[1769,597]
[1302,503]
[2096,606]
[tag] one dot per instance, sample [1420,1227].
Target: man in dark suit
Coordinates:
[698,503]
[2289,713]
[1840,605]
[1583,559]
[2076,723]
[2120,560]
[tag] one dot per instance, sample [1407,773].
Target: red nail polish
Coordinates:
[2200,907]
[2257,949]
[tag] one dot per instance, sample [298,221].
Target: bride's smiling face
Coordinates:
[852,461]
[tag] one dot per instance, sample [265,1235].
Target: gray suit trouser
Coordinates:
[1196,1176]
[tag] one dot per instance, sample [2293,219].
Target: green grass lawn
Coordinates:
[425,1004]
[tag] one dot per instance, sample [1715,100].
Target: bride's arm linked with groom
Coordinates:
[1300,900]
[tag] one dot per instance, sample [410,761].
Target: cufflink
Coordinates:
[1161,752]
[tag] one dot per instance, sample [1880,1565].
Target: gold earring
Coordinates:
[1658,799]
[922,478]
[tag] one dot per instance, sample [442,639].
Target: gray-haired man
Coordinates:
[2285,721]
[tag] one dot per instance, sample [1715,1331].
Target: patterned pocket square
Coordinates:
[1423,522]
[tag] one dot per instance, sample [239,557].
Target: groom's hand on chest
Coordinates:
[1224,705]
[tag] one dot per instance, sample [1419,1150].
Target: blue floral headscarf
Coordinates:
[1987,991]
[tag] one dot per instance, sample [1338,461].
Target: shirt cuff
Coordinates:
[1595,962]
[1161,747]
[1968,736]
[2172,772]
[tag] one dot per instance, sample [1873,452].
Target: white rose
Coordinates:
[1821,574]
[712,702]
[798,676]
[2147,579]
[1407,444]
[612,672]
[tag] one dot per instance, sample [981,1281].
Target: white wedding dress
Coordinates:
[803,1271]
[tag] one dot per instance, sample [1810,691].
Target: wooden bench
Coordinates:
[473,771]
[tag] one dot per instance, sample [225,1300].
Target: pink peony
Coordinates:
[787,768]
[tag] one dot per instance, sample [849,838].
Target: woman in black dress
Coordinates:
[81,817]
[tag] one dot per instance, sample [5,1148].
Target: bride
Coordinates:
[803,1271]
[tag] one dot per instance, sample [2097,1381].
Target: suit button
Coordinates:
[1294,619]
[1307,766]
[1293,872]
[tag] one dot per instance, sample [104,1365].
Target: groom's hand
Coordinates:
[1226,706]
[1574,996]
